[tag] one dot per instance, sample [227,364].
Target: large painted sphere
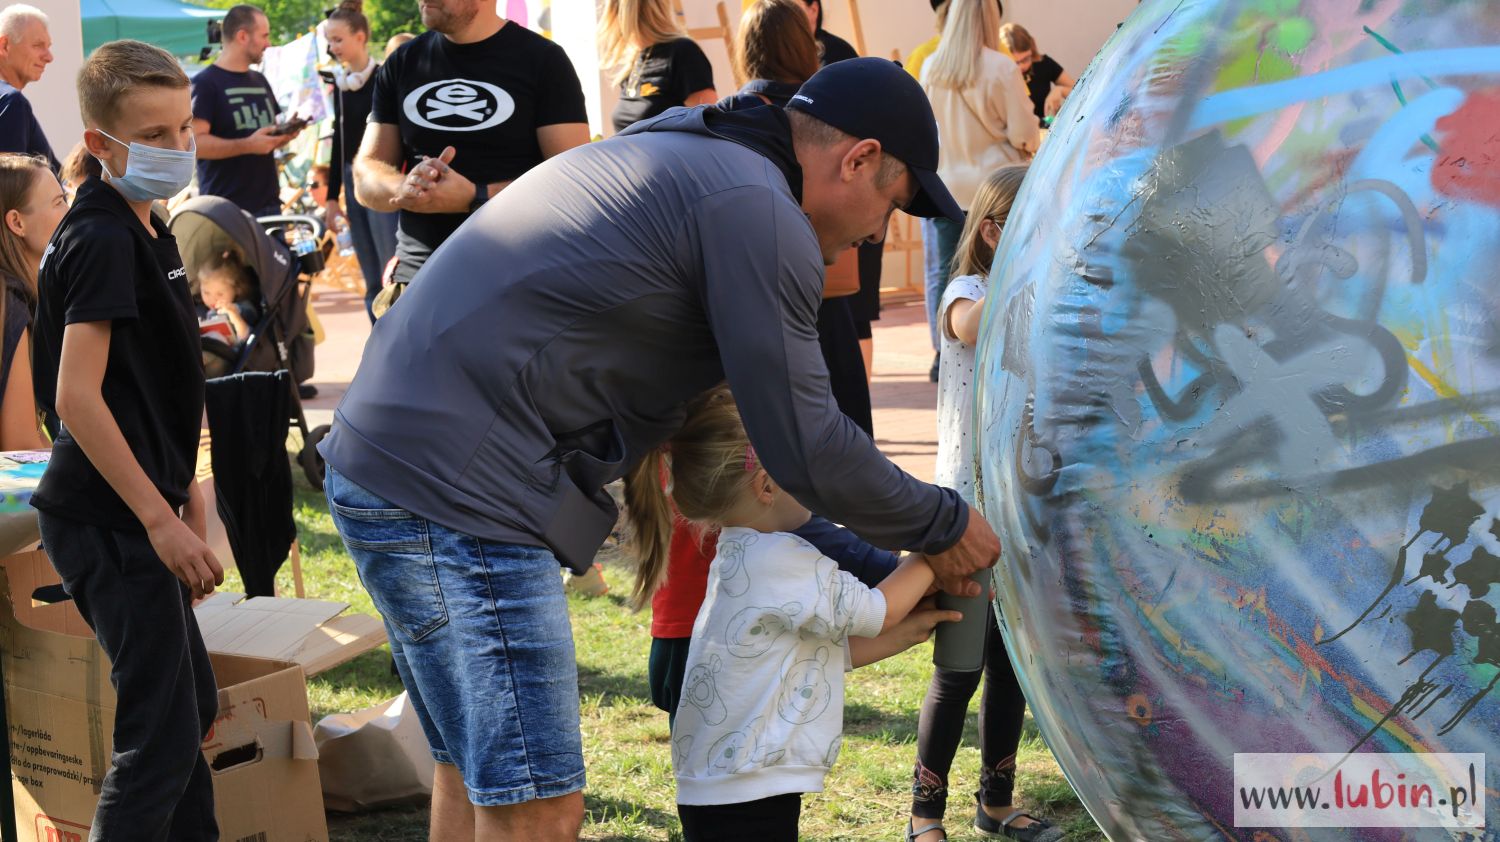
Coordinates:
[1239,404]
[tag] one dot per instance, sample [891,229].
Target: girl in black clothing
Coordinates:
[373,231]
[1046,81]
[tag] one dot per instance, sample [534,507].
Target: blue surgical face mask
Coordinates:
[152,172]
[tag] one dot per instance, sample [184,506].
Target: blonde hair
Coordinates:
[118,68]
[1016,41]
[229,268]
[774,42]
[942,14]
[973,26]
[993,201]
[708,464]
[624,23]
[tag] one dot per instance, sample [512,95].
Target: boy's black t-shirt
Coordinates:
[486,100]
[663,76]
[102,266]
[1043,74]
[237,105]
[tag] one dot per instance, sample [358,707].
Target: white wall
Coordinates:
[54,97]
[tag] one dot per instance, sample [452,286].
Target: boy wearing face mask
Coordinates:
[116,357]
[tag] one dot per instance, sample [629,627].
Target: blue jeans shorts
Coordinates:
[481,637]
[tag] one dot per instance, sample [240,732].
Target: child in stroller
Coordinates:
[230,294]
[270,264]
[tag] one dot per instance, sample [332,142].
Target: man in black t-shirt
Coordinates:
[462,110]
[234,117]
[25,52]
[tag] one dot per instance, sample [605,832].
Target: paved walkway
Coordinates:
[904,400]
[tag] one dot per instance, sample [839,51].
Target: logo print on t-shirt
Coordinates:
[459,105]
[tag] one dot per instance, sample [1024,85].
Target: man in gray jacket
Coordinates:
[552,341]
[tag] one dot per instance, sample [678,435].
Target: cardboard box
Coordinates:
[60,707]
[314,633]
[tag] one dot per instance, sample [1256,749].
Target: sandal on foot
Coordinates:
[1039,830]
[912,833]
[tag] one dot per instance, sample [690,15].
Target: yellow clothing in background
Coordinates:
[919,55]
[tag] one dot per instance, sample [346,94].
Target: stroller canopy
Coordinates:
[209,225]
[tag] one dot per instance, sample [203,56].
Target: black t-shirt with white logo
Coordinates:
[486,100]
[237,105]
[664,76]
[102,266]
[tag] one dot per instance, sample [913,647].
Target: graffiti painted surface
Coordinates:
[1240,403]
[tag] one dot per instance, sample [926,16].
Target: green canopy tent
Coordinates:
[179,28]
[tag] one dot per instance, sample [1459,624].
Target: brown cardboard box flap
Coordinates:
[311,632]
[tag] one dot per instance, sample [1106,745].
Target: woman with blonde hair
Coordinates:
[656,64]
[983,112]
[1046,80]
[32,204]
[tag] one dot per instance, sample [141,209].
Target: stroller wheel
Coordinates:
[310,459]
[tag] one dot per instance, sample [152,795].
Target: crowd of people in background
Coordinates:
[418,147]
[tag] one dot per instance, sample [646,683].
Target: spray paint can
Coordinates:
[960,646]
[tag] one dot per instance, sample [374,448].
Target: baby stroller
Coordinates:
[207,226]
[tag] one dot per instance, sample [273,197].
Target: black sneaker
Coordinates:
[1038,831]
[306,391]
[937,361]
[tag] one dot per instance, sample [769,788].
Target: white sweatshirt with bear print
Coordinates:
[762,710]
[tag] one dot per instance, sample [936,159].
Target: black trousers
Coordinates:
[158,786]
[771,819]
[940,727]
[839,339]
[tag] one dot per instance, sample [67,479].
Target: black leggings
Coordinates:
[1002,708]
[771,819]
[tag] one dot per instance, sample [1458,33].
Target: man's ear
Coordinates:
[863,154]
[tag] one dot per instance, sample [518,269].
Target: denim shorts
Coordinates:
[481,637]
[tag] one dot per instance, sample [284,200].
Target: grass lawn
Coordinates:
[630,793]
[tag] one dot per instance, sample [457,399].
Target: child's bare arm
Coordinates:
[81,406]
[241,329]
[916,627]
[904,588]
[964,318]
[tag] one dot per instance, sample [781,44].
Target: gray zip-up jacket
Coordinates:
[553,340]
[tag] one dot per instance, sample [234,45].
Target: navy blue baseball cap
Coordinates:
[876,99]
